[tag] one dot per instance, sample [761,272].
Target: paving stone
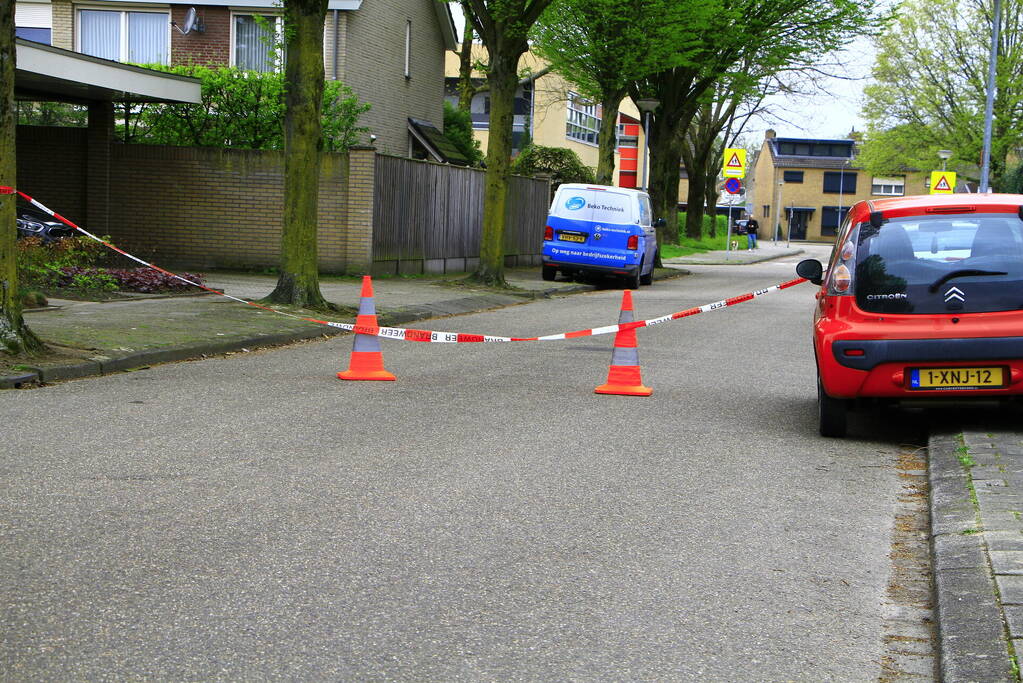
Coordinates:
[1014,620]
[1010,587]
[1003,540]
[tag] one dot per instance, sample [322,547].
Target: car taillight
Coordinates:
[548,233]
[841,279]
[633,242]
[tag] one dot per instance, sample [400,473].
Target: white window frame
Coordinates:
[408,48]
[892,186]
[581,117]
[278,29]
[122,49]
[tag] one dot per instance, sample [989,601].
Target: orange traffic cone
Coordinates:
[623,377]
[367,359]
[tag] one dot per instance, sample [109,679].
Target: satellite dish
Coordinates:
[191,23]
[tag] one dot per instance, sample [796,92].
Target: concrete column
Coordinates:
[359,228]
[97,169]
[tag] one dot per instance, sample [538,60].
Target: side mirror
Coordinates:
[660,223]
[811,269]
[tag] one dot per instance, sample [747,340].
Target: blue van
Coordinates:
[600,229]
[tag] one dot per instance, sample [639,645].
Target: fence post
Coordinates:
[361,196]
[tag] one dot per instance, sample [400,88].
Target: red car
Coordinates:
[922,299]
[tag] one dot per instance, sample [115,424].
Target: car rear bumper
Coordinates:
[882,368]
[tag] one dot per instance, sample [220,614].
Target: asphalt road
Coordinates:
[485,517]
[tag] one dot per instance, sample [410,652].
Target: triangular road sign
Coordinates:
[734,161]
[734,165]
[943,182]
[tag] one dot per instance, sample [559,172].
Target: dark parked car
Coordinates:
[32,223]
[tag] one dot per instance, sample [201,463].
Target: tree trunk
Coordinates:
[15,337]
[665,160]
[694,200]
[299,283]
[465,86]
[608,137]
[710,195]
[503,82]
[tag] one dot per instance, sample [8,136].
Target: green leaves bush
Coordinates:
[563,165]
[242,109]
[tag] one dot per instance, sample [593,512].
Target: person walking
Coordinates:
[751,233]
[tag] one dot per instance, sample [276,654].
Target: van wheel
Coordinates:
[831,413]
[635,280]
[548,273]
[648,279]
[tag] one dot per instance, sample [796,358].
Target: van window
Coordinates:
[973,263]
[644,210]
[599,206]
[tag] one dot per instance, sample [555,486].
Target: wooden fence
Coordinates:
[428,217]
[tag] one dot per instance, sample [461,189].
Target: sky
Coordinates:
[831,114]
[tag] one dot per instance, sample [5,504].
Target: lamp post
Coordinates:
[646,105]
[944,155]
[841,190]
[777,212]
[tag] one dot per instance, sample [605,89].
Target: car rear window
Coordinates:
[968,263]
[599,206]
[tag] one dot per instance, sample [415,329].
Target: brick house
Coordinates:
[807,185]
[389,52]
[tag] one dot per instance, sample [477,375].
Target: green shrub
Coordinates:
[458,129]
[40,265]
[563,165]
[243,109]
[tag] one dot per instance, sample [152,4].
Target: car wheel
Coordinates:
[831,413]
[635,280]
[648,279]
[548,273]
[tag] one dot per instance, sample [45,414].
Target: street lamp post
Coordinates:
[944,155]
[777,212]
[646,105]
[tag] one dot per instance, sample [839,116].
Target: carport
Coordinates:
[50,74]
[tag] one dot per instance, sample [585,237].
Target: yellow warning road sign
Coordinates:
[943,182]
[734,165]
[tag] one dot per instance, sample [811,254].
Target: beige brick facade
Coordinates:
[804,200]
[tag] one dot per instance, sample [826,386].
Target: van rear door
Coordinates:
[592,226]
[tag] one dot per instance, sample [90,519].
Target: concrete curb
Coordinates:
[722,261]
[971,639]
[101,365]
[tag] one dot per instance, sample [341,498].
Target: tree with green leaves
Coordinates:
[931,83]
[602,46]
[15,337]
[298,282]
[772,34]
[503,26]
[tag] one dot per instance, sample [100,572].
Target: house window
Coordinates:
[767,211]
[138,37]
[583,123]
[840,182]
[256,40]
[793,176]
[891,187]
[39,35]
[408,49]
[32,21]
[831,218]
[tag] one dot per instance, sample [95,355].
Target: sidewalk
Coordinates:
[765,251]
[977,544]
[98,338]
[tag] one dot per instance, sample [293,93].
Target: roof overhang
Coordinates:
[46,73]
[447,25]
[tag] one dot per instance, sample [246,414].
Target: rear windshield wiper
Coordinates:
[966,272]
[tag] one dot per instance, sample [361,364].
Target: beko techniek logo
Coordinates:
[575,203]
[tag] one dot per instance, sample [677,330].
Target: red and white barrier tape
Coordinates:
[411,334]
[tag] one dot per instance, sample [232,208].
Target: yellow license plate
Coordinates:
[956,378]
[571,237]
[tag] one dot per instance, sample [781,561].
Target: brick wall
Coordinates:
[62,32]
[51,168]
[211,208]
[212,47]
[374,67]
